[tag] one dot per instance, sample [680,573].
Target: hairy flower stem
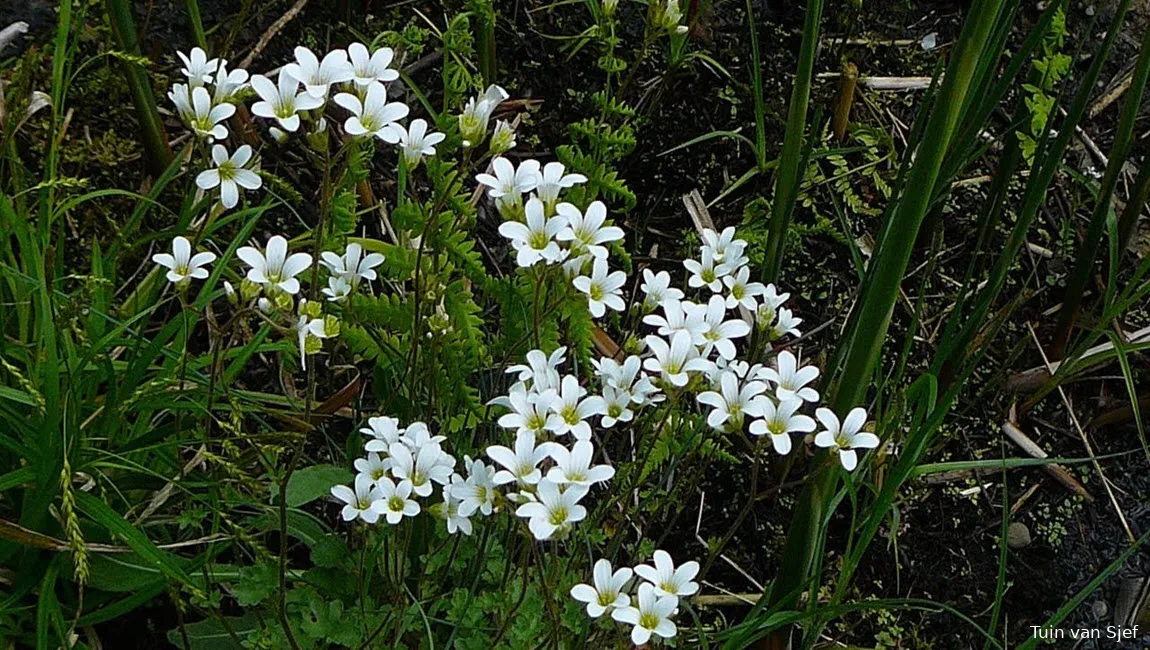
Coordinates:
[297,453]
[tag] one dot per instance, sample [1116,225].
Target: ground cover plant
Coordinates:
[578,324]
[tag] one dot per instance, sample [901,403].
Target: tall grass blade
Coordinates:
[790,171]
[1119,151]
[876,304]
[152,134]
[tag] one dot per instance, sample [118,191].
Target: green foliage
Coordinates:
[1051,68]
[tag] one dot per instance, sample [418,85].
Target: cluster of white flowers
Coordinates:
[403,466]
[549,231]
[655,600]
[544,406]
[354,79]
[700,338]
[692,340]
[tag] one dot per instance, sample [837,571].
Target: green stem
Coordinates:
[155,140]
[1119,151]
[877,302]
[790,171]
[197,24]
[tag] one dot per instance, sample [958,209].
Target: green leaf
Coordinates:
[256,584]
[310,483]
[330,551]
[133,537]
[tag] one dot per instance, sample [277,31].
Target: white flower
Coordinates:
[674,361]
[657,287]
[453,515]
[477,492]
[666,579]
[316,76]
[553,179]
[572,409]
[373,466]
[535,240]
[844,439]
[282,101]
[730,404]
[540,369]
[706,271]
[790,380]
[415,142]
[740,291]
[602,290]
[228,83]
[607,593]
[726,249]
[649,614]
[773,298]
[374,116]
[645,392]
[677,316]
[530,412]
[395,501]
[618,375]
[417,435]
[520,466]
[306,326]
[369,67]
[616,406]
[352,266]
[786,324]
[779,421]
[361,503]
[181,264]
[717,333]
[554,511]
[337,289]
[274,268]
[197,68]
[508,184]
[229,174]
[586,230]
[383,431]
[195,108]
[668,16]
[427,464]
[473,121]
[573,466]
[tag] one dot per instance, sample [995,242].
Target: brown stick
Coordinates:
[272,31]
[1057,471]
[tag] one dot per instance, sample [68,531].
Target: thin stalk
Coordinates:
[1119,151]
[876,304]
[485,37]
[1048,160]
[155,140]
[790,171]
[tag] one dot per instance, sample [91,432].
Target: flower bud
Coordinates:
[230,292]
[503,138]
